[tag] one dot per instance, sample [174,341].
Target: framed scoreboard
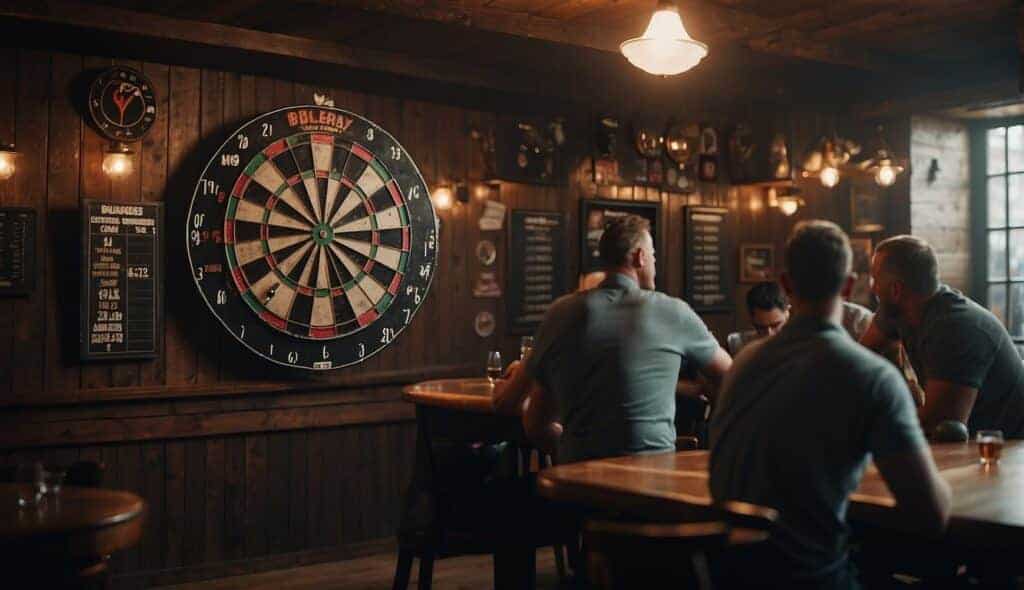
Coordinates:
[312,237]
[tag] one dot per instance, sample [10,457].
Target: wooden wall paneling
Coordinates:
[298,496]
[234,497]
[31,130]
[195,501]
[357,452]
[153,172]
[174,504]
[61,245]
[476,170]
[315,474]
[256,505]
[94,185]
[335,469]
[211,336]
[182,312]
[8,194]
[151,546]
[214,502]
[445,299]
[130,465]
[278,491]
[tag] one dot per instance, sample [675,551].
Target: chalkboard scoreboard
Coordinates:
[710,251]
[536,267]
[17,251]
[122,280]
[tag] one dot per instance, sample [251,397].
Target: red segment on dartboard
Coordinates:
[396,283]
[348,183]
[236,273]
[240,185]
[321,332]
[367,318]
[264,232]
[271,202]
[362,153]
[294,180]
[375,240]
[321,138]
[322,174]
[271,261]
[276,148]
[368,206]
[406,240]
[273,320]
[229,231]
[337,291]
[396,195]
[305,290]
[368,267]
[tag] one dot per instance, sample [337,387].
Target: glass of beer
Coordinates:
[525,347]
[990,446]
[494,366]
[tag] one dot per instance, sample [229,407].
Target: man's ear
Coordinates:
[637,258]
[851,279]
[787,284]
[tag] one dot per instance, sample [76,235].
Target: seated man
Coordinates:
[965,360]
[798,416]
[768,309]
[607,360]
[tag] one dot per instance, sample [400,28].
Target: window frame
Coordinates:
[979,214]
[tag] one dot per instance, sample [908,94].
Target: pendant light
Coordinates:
[882,165]
[665,49]
[826,160]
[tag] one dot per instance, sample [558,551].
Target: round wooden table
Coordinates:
[466,395]
[70,534]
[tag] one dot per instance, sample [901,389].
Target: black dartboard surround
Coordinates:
[311,237]
[122,104]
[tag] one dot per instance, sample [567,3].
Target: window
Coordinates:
[999,224]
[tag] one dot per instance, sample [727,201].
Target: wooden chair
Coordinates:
[634,554]
[452,509]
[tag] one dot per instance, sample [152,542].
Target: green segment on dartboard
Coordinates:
[255,164]
[232,207]
[251,301]
[323,234]
[322,293]
[380,170]
[298,139]
[384,302]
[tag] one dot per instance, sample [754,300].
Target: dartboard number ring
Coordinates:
[311,237]
[122,104]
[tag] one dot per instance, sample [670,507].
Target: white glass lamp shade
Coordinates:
[665,49]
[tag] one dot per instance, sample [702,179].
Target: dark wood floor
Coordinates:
[375,573]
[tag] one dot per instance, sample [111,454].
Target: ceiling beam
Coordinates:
[145,25]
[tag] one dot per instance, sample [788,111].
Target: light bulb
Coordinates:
[885,176]
[442,197]
[829,176]
[117,164]
[788,206]
[7,166]
[665,49]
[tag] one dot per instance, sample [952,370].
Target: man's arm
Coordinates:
[716,368]
[946,401]
[879,340]
[923,498]
[510,391]
[539,419]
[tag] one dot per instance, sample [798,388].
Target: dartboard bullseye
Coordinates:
[312,237]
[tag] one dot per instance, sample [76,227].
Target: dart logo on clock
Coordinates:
[312,238]
[122,104]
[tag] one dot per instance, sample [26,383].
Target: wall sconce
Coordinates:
[8,155]
[788,202]
[117,162]
[442,197]
[789,205]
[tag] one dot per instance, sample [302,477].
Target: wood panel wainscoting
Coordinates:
[246,466]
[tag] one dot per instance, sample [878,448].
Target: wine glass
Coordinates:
[494,366]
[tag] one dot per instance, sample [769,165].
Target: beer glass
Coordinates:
[990,446]
[494,366]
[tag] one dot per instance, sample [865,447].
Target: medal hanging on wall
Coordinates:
[707,166]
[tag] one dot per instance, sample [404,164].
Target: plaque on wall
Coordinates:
[531,150]
[17,251]
[709,247]
[536,267]
[122,280]
[595,214]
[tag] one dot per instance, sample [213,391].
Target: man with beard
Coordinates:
[964,358]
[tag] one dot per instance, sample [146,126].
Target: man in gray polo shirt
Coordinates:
[966,361]
[607,360]
[798,416]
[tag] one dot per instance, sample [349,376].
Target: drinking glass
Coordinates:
[525,347]
[990,446]
[494,366]
[49,480]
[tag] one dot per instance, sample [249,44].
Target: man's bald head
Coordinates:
[910,260]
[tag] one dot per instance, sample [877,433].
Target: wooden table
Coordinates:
[465,395]
[988,504]
[71,533]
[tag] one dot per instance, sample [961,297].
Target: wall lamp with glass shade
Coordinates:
[665,49]
[117,161]
[8,164]
[443,197]
[882,164]
[826,160]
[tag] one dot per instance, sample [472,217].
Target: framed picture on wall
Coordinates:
[861,292]
[757,263]
[867,208]
[595,214]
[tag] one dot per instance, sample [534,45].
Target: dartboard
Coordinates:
[311,237]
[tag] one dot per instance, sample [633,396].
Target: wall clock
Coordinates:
[122,104]
[312,237]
